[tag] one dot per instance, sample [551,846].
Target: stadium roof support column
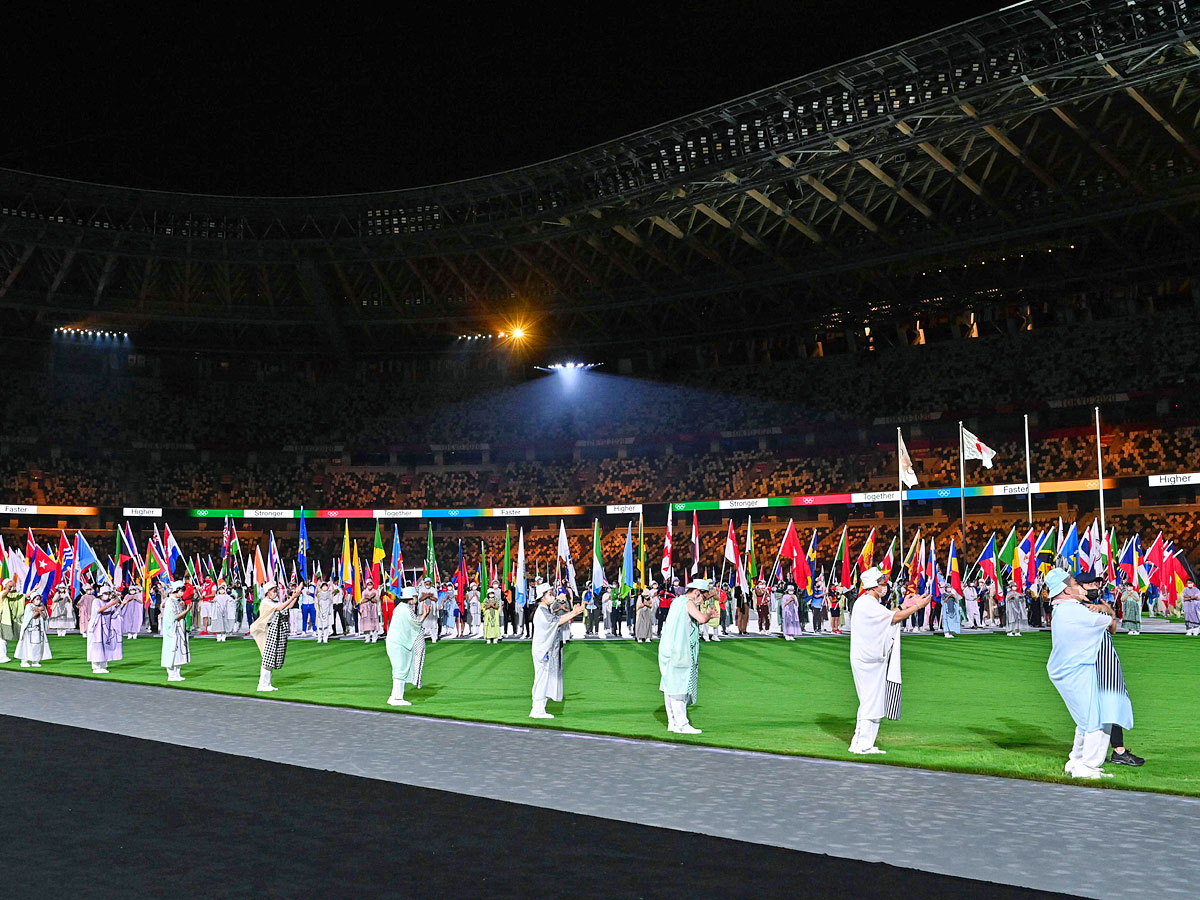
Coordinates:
[322,304]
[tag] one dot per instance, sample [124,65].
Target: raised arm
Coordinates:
[905,611]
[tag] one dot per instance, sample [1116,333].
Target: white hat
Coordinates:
[177,585]
[270,586]
[543,590]
[1056,582]
[871,578]
[698,584]
[408,592]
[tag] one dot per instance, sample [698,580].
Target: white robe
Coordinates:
[175,647]
[32,646]
[547,656]
[873,640]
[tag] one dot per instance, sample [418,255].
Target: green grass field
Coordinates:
[981,703]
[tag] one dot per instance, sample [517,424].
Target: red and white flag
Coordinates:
[695,544]
[666,560]
[974,448]
[734,557]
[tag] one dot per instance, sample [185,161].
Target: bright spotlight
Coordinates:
[518,333]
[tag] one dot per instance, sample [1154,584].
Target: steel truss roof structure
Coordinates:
[1049,143]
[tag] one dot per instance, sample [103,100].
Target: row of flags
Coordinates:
[1018,560]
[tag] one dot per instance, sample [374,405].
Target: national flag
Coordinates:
[812,552]
[506,581]
[1004,556]
[792,549]
[275,564]
[974,448]
[920,570]
[666,556]
[912,549]
[1086,548]
[1128,562]
[520,585]
[260,570]
[866,554]
[888,561]
[908,475]
[66,560]
[377,557]
[734,557]
[174,554]
[641,553]
[841,563]
[1155,557]
[84,559]
[598,579]
[751,562]
[357,583]
[695,543]
[302,547]
[952,569]
[42,570]
[346,569]
[396,575]
[916,560]
[627,573]
[564,551]
[987,563]
[460,576]
[932,578]
[431,566]
[225,540]
[1070,549]
[155,567]
[235,546]
[1021,558]
[131,546]
[1047,551]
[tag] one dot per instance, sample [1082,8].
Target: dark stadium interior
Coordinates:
[965,216]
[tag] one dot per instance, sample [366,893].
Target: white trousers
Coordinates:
[4,651]
[1090,748]
[676,710]
[973,620]
[865,732]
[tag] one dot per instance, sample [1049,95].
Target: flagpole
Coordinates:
[900,485]
[1100,468]
[1028,472]
[962,485]
[778,552]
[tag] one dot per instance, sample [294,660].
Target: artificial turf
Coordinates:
[981,703]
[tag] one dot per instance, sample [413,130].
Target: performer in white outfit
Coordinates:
[548,647]
[62,615]
[224,612]
[679,653]
[32,646]
[1084,667]
[405,644]
[875,657]
[176,651]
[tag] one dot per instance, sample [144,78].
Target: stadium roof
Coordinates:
[936,171]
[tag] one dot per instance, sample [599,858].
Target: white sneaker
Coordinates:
[688,728]
[872,750]
[535,714]
[394,701]
[37,665]
[24,664]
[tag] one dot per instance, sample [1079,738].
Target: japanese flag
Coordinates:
[974,448]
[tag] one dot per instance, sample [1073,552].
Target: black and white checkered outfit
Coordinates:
[275,644]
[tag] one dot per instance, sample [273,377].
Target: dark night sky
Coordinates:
[234,99]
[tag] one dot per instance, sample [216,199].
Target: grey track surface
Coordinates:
[1047,836]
